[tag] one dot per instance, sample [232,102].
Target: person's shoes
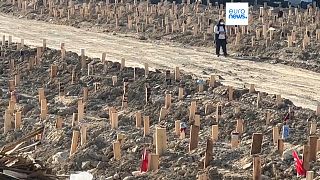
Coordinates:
[226,55]
[218,55]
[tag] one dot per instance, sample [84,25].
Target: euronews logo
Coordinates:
[237,14]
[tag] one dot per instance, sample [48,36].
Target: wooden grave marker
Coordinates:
[209,153]
[256,143]
[83,132]
[146,126]
[138,119]
[256,168]
[194,137]
[306,157]
[74,142]
[59,122]
[161,140]
[313,147]
[116,150]
[153,162]
[17,123]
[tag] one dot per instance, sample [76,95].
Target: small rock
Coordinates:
[85,165]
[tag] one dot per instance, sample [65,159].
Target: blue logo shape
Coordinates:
[237,14]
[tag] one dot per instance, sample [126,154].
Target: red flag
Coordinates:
[144,163]
[298,164]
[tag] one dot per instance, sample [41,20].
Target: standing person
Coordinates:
[221,37]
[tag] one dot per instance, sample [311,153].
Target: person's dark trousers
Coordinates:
[221,43]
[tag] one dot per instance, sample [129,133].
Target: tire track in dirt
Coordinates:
[300,86]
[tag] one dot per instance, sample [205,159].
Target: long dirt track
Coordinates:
[300,86]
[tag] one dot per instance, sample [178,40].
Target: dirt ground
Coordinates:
[96,155]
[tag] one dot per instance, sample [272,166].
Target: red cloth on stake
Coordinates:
[298,164]
[145,161]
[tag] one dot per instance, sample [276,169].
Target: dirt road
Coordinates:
[300,86]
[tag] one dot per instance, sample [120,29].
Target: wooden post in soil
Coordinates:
[214,132]
[121,138]
[256,168]
[268,117]
[177,127]
[197,120]
[53,71]
[209,153]
[74,142]
[256,143]
[193,109]
[313,147]
[212,81]
[180,93]
[239,128]
[194,137]
[61,90]
[230,92]
[163,113]
[138,119]
[306,157]
[116,150]
[177,74]
[218,112]
[17,122]
[83,59]
[168,101]
[146,69]
[161,140]
[11,85]
[43,109]
[309,175]
[153,162]
[17,79]
[252,89]
[7,121]
[80,109]
[123,64]
[75,120]
[208,109]
[313,127]
[114,120]
[278,99]
[85,94]
[280,146]
[148,93]
[318,110]
[59,122]
[146,126]
[83,134]
[275,134]
[234,140]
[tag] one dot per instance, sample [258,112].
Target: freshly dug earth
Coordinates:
[165,22]
[96,156]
